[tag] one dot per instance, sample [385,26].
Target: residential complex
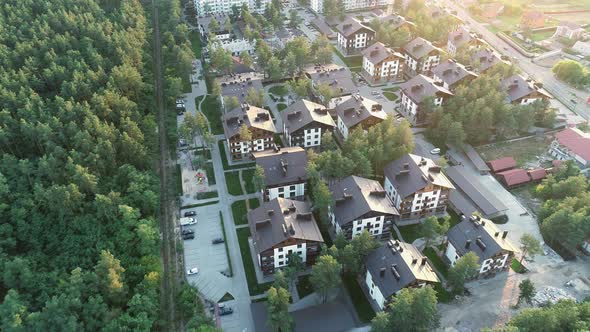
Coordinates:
[417,187]
[394,266]
[253,120]
[238,85]
[304,123]
[208,7]
[569,30]
[417,90]
[285,173]
[382,64]
[283,227]
[360,204]
[484,59]
[353,36]
[349,5]
[485,239]
[358,111]
[421,56]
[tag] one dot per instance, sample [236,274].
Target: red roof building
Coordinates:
[513,177]
[572,144]
[502,164]
[537,174]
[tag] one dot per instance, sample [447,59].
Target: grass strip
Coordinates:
[231,270]
[253,286]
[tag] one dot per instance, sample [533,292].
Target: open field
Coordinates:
[522,151]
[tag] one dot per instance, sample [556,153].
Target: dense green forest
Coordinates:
[78,189]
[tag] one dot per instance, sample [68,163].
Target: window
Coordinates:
[299,245]
[281,189]
[281,256]
[290,252]
[280,249]
[292,188]
[359,228]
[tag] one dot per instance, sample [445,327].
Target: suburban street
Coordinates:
[558,89]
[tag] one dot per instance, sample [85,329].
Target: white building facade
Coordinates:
[374,291]
[288,191]
[246,147]
[281,254]
[208,7]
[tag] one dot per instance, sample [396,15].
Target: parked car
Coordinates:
[192,271]
[225,311]
[190,213]
[374,92]
[188,234]
[217,240]
[435,151]
[188,221]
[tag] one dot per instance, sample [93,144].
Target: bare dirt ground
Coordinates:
[490,304]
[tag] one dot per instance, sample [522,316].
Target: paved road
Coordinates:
[560,90]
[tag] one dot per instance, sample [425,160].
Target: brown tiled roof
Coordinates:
[288,165]
[419,47]
[357,108]
[411,173]
[251,116]
[451,72]
[282,219]
[502,164]
[514,177]
[421,87]
[350,26]
[304,112]
[378,52]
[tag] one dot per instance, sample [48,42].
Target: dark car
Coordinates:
[188,234]
[225,311]
[574,101]
[217,240]
[190,213]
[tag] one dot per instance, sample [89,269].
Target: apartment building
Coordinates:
[417,187]
[523,91]
[217,7]
[382,64]
[461,38]
[284,227]
[452,74]
[353,36]
[360,204]
[285,173]
[392,267]
[357,112]
[304,123]
[417,90]
[486,240]
[259,125]
[421,56]
[350,5]
[572,144]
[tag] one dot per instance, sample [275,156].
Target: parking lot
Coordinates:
[209,258]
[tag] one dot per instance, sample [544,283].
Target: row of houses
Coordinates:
[282,227]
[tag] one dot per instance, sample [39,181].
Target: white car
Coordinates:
[435,151]
[186,221]
[192,271]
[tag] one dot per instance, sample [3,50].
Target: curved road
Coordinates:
[561,91]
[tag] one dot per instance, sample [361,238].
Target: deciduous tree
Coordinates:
[325,275]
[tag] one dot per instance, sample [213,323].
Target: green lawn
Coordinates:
[212,109]
[542,35]
[239,211]
[226,166]
[410,232]
[361,304]
[392,89]
[279,90]
[232,180]
[253,286]
[304,286]
[196,46]
[437,261]
[254,203]
[210,172]
[390,95]
[281,107]
[517,267]
[247,175]
[442,295]
[351,61]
